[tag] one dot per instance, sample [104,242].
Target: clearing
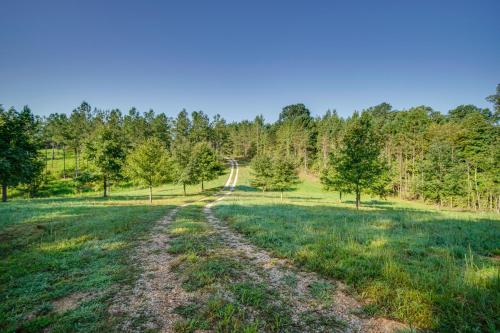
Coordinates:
[244,261]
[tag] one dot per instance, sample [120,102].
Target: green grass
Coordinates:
[53,249]
[224,295]
[57,186]
[432,269]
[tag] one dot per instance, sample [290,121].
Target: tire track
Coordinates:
[157,292]
[343,307]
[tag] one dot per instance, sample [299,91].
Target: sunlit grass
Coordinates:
[53,248]
[429,268]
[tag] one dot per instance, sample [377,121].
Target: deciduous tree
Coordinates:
[358,162]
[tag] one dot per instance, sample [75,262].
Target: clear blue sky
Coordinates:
[243,58]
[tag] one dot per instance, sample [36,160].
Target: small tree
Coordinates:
[284,175]
[262,172]
[105,149]
[183,166]
[331,179]
[149,164]
[358,161]
[205,164]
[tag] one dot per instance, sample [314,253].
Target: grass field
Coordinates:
[57,186]
[431,269]
[64,258]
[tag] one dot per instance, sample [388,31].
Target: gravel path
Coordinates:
[150,303]
[342,307]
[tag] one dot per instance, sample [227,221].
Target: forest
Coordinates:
[447,159]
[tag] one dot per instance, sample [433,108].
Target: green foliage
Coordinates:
[358,163]
[85,179]
[295,112]
[19,159]
[284,175]
[495,100]
[149,164]
[262,172]
[332,180]
[470,137]
[204,164]
[106,151]
[273,173]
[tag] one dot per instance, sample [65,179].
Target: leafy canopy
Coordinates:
[149,163]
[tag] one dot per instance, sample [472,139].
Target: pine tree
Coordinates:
[331,179]
[205,164]
[149,164]
[284,175]
[262,172]
[183,166]
[19,160]
[106,150]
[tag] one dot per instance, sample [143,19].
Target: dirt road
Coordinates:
[173,280]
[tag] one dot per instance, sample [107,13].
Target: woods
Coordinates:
[447,159]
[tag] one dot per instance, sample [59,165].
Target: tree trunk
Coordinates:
[400,162]
[76,162]
[64,162]
[4,192]
[46,159]
[478,198]
[105,187]
[305,160]
[358,196]
[53,155]
[150,194]
[281,196]
[340,195]
[202,187]
[184,188]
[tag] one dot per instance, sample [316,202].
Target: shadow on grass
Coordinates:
[97,197]
[54,250]
[246,188]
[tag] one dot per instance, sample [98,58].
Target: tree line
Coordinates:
[448,159]
[109,147]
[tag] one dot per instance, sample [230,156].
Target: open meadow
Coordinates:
[430,268]
[66,258]
[63,258]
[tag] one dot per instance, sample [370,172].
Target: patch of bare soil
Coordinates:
[69,302]
[149,305]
